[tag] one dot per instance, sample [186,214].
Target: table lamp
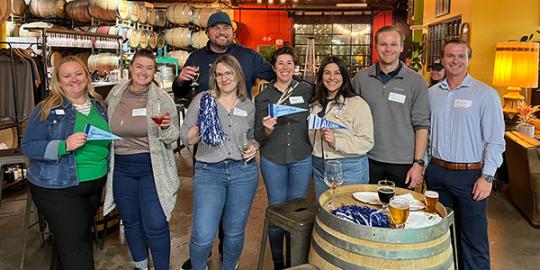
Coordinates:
[516,66]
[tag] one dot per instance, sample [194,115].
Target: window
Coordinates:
[439,33]
[351,42]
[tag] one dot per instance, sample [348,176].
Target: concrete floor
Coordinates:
[514,242]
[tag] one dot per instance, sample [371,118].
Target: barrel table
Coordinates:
[340,244]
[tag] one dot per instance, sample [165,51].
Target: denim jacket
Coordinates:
[40,144]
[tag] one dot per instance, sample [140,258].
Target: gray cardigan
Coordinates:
[161,152]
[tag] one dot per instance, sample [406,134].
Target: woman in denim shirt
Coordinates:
[67,172]
[335,101]
[285,149]
[226,178]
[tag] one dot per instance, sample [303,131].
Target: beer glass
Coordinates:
[399,211]
[431,198]
[386,190]
[333,177]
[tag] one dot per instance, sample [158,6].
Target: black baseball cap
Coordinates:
[219,17]
[436,65]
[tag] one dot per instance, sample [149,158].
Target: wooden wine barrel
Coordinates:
[133,38]
[180,55]
[25,33]
[339,244]
[199,16]
[179,13]
[143,14]
[48,8]
[121,9]
[113,30]
[54,58]
[199,39]
[152,40]
[83,56]
[103,29]
[161,17]
[160,40]
[152,17]
[5,10]
[103,62]
[107,10]
[8,136]
[78,10]
[17,7]
[143,39]
[133,9]
[178,37]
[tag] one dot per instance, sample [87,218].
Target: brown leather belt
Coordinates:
[457,166]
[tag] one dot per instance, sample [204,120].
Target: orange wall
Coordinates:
[379,20]
[263,27]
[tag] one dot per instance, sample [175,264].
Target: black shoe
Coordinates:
[187,264]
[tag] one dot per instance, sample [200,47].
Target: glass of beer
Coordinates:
[431,198]
[399,211]
[386,190]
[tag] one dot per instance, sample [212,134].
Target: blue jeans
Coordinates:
[138,204]
[355,171]
[284,182]
[222,192]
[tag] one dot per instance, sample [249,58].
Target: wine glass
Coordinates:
[158,116]
[195,81]
[386,189]
[333,177]
[245,142]
[399,211]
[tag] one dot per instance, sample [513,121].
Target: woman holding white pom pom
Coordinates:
[220,121]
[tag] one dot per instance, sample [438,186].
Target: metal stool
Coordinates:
[296,217]
[40,221]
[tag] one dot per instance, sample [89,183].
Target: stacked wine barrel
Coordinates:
[103,62]
[79,10]
[48,8]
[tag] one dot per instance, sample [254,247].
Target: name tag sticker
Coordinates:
[239,112]
[296,100]
[462,103]
[59,112]
[139,112]
[395,97]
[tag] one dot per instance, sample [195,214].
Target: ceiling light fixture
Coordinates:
[351,5]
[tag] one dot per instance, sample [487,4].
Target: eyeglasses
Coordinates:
[225,76]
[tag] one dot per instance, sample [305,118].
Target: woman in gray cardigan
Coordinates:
[143,179]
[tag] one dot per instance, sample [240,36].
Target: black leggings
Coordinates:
[69,213]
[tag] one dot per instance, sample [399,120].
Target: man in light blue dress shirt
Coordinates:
[467,142]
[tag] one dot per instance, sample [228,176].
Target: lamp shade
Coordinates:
[516,64]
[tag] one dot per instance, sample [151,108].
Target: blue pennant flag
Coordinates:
[315,122]
[93,134]
[277,110]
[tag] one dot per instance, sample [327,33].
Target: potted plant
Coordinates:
[526,116]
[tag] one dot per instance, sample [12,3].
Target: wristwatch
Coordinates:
[489,178]
[420,162]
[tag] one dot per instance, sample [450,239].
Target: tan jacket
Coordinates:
[161,152]
[356,140]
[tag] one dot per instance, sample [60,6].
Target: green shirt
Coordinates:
[92,158]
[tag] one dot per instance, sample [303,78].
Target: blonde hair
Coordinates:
[57,95]
[230,62]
